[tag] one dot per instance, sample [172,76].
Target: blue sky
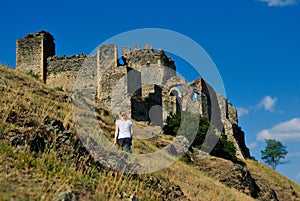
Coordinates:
[255,45]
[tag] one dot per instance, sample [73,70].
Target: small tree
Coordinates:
[273,153]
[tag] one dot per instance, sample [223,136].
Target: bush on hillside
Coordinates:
[184,124]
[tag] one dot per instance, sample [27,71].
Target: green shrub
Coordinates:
[58,88]
[3,130]
[224,149]
[184,124]
[33,74]
[185,158]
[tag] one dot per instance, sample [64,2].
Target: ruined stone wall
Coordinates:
[148,72]
[216,108]
[137,57]
[239,136]
[62,71]
[29,55]
[202,94]
[223,104]
[198,94]
[231,128]
[232,114]
[172,101]
[107,57]
[48,46]
[32,52]
[114,92]
[149,108]
[235,133]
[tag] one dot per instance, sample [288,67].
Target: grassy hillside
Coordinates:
[41,157]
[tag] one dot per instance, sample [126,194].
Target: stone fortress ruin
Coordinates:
[144,83]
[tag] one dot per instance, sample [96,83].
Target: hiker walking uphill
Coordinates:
[123,132]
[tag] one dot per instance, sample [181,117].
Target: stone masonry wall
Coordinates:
[114,84]
[232,114]
[207,100]
[138,57]
[223,104]
[29,55]
[62,71]
[48,46]
[32,52]
[107,57]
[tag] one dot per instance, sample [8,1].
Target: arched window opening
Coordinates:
[195,96]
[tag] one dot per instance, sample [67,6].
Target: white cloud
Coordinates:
[242,111]
[295,154]
[298,176]
[280,3]
[252,145]
[285,131]
[268,103]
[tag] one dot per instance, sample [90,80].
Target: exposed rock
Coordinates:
[133,198]
[234,175]
[179,146]
[16,138]
[12,117]
[67,196]
[240,178]
[272,195]
[36,143]
[170,193]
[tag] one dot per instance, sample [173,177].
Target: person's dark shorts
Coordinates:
[124,141]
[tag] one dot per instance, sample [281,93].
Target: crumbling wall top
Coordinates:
[146,57]
[41,33]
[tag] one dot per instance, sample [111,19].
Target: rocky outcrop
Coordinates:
[67,196]
[234,175]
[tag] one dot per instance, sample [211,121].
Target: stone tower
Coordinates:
[32,52]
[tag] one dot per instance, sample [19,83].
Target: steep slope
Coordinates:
[41,157]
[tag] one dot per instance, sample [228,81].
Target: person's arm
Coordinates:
[116,134]
[131,130]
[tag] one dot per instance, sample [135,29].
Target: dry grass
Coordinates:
[28,177]
[197,186]
[268,178]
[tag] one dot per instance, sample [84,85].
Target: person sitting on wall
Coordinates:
[123,132]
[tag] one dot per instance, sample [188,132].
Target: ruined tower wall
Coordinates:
[232,114]
[112,80]
[170,102]
[107,58]
[114,84]
[223,104]
[32,52]
[62,71]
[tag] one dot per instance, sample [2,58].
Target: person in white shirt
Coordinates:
[124,132]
